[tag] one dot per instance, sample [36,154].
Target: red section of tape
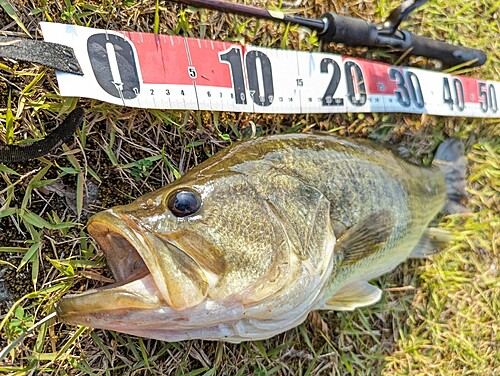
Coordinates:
[165,59]
[162,58]
[205,58]
[471,91]
[376,76]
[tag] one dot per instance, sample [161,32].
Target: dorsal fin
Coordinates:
[365,237]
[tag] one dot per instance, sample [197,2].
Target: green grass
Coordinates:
[437,317]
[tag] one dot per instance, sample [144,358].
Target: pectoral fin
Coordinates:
[352,296]
[365,237]
[433,240]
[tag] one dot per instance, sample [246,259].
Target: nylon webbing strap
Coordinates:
[52,55]
[21,153]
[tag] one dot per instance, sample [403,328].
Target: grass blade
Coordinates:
[12,12]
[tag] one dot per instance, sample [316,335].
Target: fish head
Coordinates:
[190,259]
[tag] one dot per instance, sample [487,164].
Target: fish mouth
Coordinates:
[150,273]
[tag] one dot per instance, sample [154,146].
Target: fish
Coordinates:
[247,243]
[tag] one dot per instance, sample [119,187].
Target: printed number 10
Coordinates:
[259,73]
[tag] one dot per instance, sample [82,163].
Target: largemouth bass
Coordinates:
[246,244]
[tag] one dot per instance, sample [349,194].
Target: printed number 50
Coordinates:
[488,97]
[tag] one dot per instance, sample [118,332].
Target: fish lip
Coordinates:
[134,285]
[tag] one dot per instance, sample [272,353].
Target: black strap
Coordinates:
[22,153]
[52,55]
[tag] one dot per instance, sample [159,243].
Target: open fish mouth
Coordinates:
[134,286]
[123,260]
[150,273]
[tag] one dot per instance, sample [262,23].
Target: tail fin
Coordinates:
[450,159]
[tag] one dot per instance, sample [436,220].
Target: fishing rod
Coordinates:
[355,32]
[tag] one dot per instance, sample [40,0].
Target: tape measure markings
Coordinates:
[172,72]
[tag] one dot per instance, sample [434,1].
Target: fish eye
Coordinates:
[184,202]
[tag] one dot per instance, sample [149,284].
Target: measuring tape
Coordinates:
[170,72]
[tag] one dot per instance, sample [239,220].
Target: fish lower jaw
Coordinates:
[139,292]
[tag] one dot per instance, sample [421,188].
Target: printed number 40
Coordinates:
[454,95]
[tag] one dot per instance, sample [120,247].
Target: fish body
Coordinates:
[247,243]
